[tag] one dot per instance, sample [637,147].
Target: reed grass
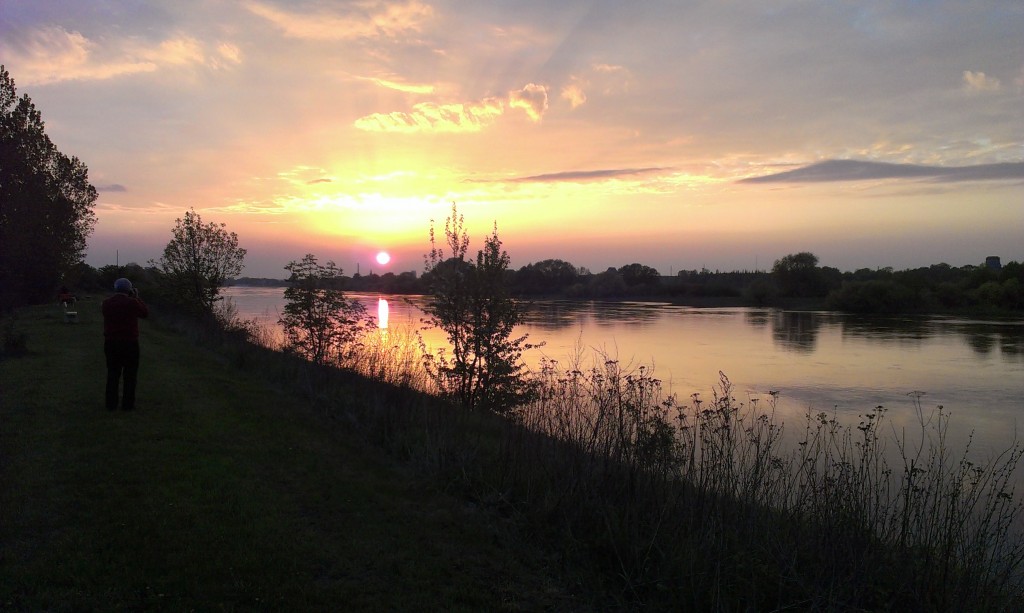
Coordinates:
[701,505]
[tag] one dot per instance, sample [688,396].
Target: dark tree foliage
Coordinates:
[936,288]
[46,204]
[319,322]
[148,280]
[607,284]
[877,296]
[797,275]
[638,275]
[199,260]
[547,277]
[471,303]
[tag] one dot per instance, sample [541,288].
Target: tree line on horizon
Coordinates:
[794,281]
[46,212]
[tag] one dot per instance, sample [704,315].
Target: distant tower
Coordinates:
[992,262]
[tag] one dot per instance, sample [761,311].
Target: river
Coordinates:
[822,361]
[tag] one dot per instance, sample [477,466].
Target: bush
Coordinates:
[198,261]
[471,304]
[320,323]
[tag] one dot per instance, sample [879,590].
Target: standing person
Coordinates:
[121,313]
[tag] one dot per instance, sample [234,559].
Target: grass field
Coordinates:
[222,491]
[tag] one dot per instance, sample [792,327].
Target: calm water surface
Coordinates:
[823,361]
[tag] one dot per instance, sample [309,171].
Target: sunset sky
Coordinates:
[677,134]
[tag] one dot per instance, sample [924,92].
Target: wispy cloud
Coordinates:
[52,54]
[409,88]
[178,51]
[458,117]
[368,20]
[303,175]
[979,82]
[856,170]
[431,117]
[580,176]
[602,79]
[113,187]
[610,78]
[574,94]
[229,53]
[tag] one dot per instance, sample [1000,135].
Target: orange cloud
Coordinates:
[574,94]
[375,20]
[605,79]
[409,88]
[52,54]
[430,117]
[229,53]
[532,98]
[176,52]
[457,117]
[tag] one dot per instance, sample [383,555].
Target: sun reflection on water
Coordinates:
[382,313]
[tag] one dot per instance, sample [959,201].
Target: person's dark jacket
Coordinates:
[121,314]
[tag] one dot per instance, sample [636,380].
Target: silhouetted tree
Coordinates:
[319,322]
[639,274]
[546,277]
[798,275]
[607,284]
[199,260]
[471,303]
[46,203]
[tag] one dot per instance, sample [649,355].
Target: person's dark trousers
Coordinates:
[122,359]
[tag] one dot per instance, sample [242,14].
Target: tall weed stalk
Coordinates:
[702,505]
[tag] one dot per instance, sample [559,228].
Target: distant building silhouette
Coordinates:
[993,262]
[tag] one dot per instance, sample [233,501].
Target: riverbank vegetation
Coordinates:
[701,506]
[253,478]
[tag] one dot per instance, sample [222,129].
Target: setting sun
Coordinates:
[383,258]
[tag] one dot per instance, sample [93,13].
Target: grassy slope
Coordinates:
[220,492]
